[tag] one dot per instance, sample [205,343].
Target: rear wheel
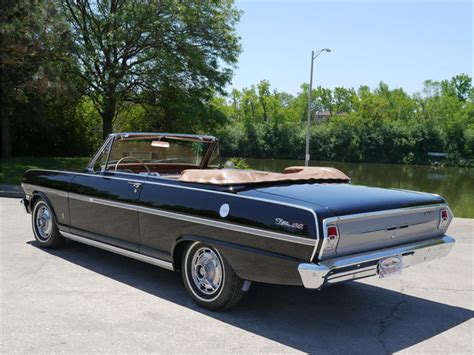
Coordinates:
[44,227]
[209,278]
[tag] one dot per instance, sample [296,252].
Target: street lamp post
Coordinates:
[313,57]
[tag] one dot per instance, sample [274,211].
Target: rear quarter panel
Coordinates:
[160,232]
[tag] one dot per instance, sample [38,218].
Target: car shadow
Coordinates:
[353,317]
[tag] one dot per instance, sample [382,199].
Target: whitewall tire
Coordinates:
[209,279]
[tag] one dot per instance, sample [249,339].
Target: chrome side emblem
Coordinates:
[224,210]
[282,222]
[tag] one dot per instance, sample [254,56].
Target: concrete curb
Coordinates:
[13,191]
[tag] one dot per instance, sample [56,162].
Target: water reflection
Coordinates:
[455,184]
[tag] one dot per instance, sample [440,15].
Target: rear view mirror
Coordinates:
[160,144]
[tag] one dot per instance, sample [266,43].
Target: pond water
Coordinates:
[455,184]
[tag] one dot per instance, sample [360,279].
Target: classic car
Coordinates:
[165,199]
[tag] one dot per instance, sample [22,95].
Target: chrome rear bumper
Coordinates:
[363,265]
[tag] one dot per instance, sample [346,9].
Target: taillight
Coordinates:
[332,237]
[443,219]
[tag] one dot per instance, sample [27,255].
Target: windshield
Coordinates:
[159,150]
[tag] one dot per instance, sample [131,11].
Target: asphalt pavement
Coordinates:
[84,300]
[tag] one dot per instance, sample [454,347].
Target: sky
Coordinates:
[401,43]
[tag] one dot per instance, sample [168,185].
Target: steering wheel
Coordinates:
[130,157]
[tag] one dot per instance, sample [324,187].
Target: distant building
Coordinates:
[326,115]
[322,116]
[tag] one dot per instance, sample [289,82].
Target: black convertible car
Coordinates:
[165,199]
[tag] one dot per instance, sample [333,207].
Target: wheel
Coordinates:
[209,278]
[44,227]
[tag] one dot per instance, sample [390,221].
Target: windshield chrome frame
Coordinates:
[90,165]
[213,144]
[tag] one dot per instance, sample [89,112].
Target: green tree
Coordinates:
[379,125]
[459,86]
[32,33]
[137,51]
[343,100]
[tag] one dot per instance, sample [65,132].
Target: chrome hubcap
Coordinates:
[44,224]
[206,271]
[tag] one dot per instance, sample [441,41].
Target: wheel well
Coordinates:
[33,200]
[178,253]
[39,196]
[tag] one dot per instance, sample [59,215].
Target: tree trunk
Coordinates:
[6,133]
[108,116]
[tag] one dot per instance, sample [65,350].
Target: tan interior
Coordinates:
[231,176]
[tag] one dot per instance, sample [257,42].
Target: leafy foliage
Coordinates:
[32,45]
[380,125]
[155,52]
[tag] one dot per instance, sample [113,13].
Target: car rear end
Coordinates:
[378,244]
[367,232]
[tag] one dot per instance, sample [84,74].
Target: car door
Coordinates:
[100,206]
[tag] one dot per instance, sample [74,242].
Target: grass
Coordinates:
[14,168]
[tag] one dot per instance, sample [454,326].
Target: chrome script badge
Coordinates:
[283,223]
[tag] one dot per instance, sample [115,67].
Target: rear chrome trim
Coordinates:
[352,276]
[393,212]
[315,275]
[147,259]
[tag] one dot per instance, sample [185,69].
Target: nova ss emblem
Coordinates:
[283,223]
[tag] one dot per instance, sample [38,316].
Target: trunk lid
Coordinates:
[346,199]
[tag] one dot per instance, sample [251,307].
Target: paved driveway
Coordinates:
[85,300]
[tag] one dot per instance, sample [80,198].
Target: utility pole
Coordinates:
[308,124]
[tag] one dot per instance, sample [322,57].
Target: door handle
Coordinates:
[136,185]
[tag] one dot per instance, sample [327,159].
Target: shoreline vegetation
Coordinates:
[382,125]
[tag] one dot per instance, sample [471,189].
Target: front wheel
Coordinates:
[209,278]
[44,227]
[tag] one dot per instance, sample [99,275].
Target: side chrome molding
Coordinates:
[198,220]
[147,259]
[157,180]
[189,218]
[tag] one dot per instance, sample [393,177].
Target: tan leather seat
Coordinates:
[232,176]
